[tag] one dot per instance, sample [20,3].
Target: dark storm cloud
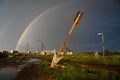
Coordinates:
[16,15]
[99,16]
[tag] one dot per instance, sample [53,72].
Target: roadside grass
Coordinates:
[71,72]
[13,57]
[113,59]
[91,59]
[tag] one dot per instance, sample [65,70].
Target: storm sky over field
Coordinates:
[27,21]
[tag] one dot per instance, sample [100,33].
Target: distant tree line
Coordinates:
[108,52]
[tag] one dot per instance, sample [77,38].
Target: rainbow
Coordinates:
[27,28]
[31,23]
[25,31]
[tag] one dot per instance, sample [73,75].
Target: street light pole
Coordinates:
[103,43]
[102,35]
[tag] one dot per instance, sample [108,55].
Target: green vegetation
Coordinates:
[111,59]
[71,72]
[14,57]
[92,68]
[91,59]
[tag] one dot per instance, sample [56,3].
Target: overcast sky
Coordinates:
[50,21]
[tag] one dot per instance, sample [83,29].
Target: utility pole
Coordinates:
[27,47]
[38,46]
[58,57]
[75,22]
[42,45]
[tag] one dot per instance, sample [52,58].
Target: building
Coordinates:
[48,52]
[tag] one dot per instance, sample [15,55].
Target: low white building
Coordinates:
[69,53]
[47,52]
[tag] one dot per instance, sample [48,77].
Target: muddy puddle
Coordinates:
[10,73]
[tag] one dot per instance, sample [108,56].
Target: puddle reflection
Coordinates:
[11,73]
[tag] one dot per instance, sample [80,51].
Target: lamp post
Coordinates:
[102,35]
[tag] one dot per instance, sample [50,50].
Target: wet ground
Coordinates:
[9,70]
